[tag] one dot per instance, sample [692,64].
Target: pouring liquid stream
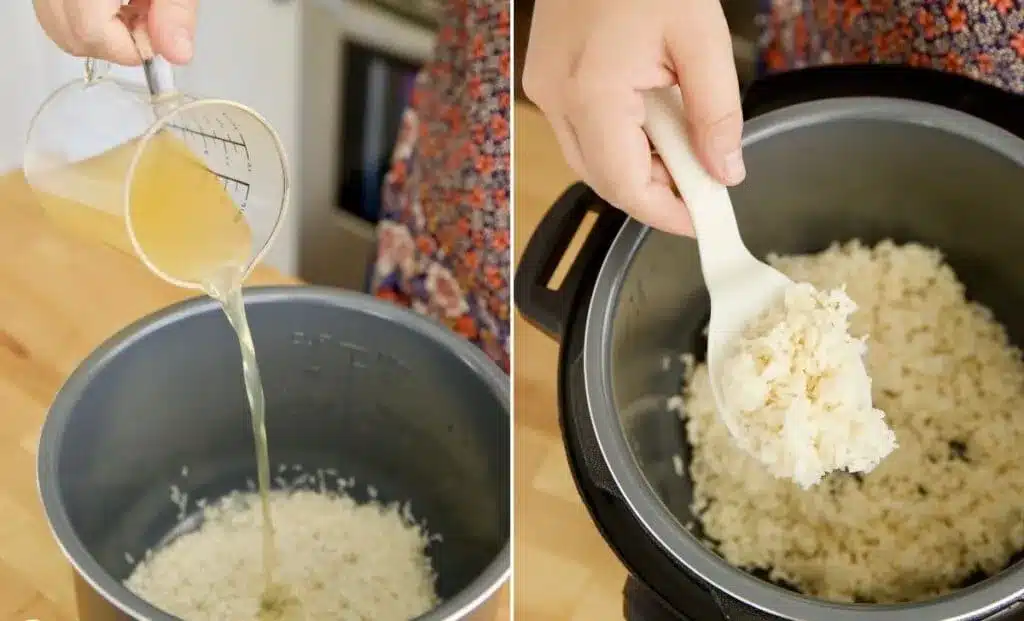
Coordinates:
[189,226]
[226,289]
[225,286]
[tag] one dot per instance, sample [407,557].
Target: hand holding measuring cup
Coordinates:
[98,28]
[196,188]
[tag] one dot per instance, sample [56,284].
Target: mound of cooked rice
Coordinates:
[948,502]
[338,560]
[795,393]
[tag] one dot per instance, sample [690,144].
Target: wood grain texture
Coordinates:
[60,297]
[564,571]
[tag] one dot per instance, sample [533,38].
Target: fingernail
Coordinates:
[183,44]
[734,169]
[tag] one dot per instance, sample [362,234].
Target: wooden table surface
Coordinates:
[564,571]
[60,297]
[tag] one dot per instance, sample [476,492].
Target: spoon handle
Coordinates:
[718,237]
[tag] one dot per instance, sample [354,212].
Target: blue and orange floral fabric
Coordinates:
[443,242]
[982,39]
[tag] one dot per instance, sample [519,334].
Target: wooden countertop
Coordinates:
[60,297]
[564,571]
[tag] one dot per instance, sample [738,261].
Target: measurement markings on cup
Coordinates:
[238,188]
[207,137]
[235,186]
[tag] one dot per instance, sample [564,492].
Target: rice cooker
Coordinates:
[832,153]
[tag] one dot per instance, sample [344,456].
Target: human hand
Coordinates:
[586,66]
[104,29]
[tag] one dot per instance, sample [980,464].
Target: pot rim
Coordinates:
[454,608]
[985,598]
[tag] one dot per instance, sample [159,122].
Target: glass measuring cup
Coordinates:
[187,184]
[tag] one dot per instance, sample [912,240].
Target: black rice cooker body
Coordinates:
[660,589]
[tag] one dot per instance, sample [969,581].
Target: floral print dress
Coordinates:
[982,39]
[443,244]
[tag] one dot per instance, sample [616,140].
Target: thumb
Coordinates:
[172,25]
[700,47]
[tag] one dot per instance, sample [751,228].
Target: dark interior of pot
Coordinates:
[348,390]
[836,181]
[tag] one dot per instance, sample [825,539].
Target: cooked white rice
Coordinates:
[795,392]
[947,502]
[338,559]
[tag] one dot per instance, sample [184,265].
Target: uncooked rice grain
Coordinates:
[339,559]
[949,501]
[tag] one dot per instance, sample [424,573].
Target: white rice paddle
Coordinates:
[740,286]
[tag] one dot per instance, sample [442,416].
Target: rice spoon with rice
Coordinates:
[795,385]
[791,387]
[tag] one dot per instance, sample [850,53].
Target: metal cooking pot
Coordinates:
[352,383]
[832,154]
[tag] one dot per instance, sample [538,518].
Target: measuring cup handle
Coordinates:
[159,75]
[96,69]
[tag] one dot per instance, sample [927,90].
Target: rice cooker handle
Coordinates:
[546,306]
[957,92]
